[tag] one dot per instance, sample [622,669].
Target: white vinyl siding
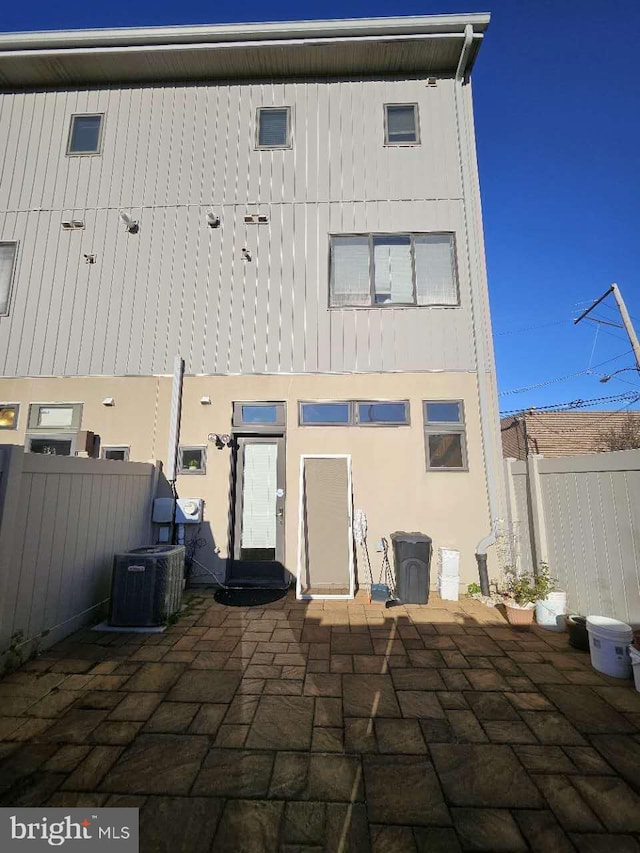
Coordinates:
[259,486]
[393,269]
[7,262]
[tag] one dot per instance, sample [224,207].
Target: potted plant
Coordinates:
[521,591]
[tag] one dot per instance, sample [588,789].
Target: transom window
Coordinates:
[355,413]
[274,127]
[8,252]
[401,124]
[259,415]
[85,134]
[393,269]
[9,415]
[445,435]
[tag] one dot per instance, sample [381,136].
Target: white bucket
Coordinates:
[608,642]
[634,654]
[550,611]
[449,588]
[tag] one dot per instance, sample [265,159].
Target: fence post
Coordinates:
[10,486]
[512,513]
[540,552]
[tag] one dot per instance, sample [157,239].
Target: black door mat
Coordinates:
[248,597]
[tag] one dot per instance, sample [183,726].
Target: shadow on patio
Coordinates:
[330,726]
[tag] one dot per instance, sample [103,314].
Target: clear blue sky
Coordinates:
[558,127]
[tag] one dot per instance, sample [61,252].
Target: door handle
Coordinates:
[280,513]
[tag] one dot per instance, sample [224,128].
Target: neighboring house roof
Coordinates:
[558,433]
[433,44]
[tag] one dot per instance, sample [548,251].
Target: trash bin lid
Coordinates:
[155,549]
[401,536]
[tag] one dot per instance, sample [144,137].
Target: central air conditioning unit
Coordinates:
[146,587]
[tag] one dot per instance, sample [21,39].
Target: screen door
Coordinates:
[259,509]
[325,565]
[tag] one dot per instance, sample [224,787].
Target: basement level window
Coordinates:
[85,134]
[119,453]
[445,435]
[274,127]
[192,460]
[401,124]
[9,415]
[50,445]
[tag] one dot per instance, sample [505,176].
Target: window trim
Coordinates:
[125,447]
[12,274]
[34,409]
[203,460]
[54,436]
[289,141]
[446,428]
[348,403]
[386,305]
[16,408]
[416,118]
[98,151]
[252,426]
[353,420]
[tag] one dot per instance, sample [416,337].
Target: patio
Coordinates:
[330,726]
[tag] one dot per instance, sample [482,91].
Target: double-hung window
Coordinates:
[8,252]
[393,269]
[445,438]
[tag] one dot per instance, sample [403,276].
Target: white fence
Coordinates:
[61,521]
[581,514]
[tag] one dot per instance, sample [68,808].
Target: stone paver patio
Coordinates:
[338,727]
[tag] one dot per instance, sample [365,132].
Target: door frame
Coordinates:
[303,596]
[236,498]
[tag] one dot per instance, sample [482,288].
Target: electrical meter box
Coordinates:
[188,510]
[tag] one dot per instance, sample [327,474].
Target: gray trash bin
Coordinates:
[412,559]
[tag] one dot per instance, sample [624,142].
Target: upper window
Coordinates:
[54,416]
[355,413]
[445,438]
[9,415]
[401,124]
[259,415]
[393,269]
[8,252]
[274,127]
[85,134]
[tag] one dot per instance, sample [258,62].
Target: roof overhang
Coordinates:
[366,47]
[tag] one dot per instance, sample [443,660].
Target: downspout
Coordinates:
[487,405]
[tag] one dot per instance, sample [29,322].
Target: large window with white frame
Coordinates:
[8,254]
[445,435]
[377,270]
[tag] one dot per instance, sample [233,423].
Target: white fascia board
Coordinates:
[279,31]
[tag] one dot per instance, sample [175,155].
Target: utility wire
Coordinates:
[577,404]
[570,430]
[561,378]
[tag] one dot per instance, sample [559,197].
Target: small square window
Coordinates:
[119,453]
[401,124]
[445,435]
[192,460]
[9,415]
[274,127]
[85,134]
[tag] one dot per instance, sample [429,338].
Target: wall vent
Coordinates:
[256,218]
